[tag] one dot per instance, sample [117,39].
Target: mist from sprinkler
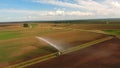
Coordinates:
[53,44]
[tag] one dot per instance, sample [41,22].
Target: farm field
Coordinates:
[113,32]
[102,55]
[19,44]
[91,26]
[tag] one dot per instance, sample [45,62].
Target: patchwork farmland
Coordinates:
[20,47]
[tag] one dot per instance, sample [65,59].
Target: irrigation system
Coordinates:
[51,43]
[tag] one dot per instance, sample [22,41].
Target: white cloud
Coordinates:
[106,7]
[78,13]
[85,9]
[46,13]
[59,3]
[13,14]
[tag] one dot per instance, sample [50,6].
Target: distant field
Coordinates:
[92,26]
[114,32]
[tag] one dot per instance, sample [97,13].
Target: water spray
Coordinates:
[52,44]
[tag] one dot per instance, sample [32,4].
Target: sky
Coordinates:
[46,10]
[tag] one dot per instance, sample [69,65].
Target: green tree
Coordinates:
[25,25]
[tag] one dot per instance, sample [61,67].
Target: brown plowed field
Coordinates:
[103,55]
[72,38]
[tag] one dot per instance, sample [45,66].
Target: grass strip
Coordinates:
[33,61]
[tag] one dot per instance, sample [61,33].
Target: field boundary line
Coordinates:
[33,61]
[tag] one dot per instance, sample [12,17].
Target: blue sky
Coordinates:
[38,10]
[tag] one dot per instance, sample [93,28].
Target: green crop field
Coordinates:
[34,25]
[9,35]
[114,32]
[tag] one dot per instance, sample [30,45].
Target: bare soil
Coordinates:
[103,55]
[72,38]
